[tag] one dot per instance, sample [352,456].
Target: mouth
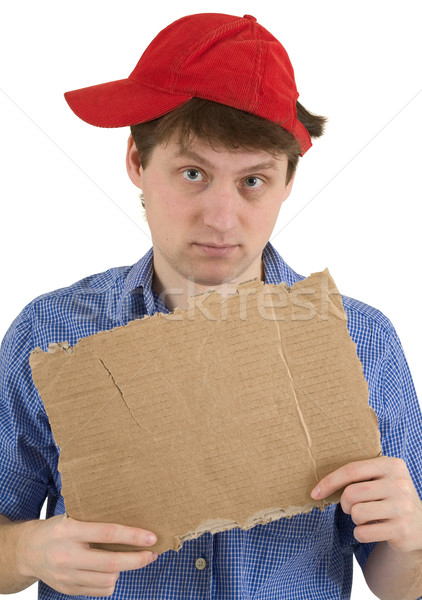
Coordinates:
[210,249]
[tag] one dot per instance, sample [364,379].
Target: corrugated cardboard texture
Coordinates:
[219,416]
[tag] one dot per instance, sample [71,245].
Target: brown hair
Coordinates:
[223,126]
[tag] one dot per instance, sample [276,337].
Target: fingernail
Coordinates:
[150,538]
[154,556]
[316,492]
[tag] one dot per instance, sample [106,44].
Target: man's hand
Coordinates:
[57,551]
[380,497]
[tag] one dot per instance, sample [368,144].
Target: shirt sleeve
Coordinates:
[393,396]
[28,453]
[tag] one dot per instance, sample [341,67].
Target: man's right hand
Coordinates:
[57,551]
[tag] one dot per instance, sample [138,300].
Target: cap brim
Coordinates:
[121,103]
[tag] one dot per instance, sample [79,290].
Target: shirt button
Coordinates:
[200,563]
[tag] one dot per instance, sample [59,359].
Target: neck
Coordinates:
[175,295]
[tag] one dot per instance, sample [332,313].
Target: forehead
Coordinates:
[209,154]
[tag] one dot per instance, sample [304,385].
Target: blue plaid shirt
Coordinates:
[306,556]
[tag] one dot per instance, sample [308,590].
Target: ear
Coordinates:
[133,163]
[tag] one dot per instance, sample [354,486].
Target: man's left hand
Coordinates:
[380,497]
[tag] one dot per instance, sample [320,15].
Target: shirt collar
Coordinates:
[276,270]
[139,279]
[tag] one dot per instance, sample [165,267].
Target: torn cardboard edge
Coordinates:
[325,296]
[176,414]
[213,526]
[262,517]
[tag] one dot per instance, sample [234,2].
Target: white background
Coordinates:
[68,208]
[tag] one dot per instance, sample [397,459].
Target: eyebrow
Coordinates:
[268,164]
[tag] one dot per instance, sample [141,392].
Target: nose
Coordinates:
[219,209]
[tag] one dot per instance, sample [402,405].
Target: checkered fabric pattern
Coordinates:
[307,556]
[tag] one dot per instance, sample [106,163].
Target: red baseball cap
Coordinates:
[226,59]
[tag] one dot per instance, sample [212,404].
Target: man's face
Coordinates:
[210,211]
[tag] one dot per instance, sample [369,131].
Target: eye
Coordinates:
[192,175]
[253,182]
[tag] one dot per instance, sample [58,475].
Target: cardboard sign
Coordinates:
[222,415]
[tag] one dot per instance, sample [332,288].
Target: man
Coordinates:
[216,135]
